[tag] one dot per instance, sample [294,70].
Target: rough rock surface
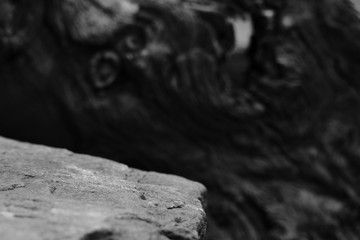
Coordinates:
[276,142]
[47,193]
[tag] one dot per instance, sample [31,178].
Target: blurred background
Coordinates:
[357,4]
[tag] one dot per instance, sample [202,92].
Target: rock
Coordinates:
[47,193]
[276,142]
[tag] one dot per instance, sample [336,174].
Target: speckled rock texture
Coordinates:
[271,129]
[47,193]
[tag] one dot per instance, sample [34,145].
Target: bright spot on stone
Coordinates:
[287,22]
[356,4]
[284,60]
[129,7]
[123,6]
[268,13]
[7,214]
[243,30]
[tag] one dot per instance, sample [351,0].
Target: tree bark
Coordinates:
[273,133]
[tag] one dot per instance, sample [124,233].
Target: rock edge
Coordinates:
[48,193]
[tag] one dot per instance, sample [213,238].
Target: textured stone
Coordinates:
[274,136]
[47,193]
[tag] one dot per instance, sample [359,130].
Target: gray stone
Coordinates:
[47,193]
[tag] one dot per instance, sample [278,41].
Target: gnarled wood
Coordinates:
[276,142]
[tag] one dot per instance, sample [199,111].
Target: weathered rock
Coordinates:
[276,142]
[47,193]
